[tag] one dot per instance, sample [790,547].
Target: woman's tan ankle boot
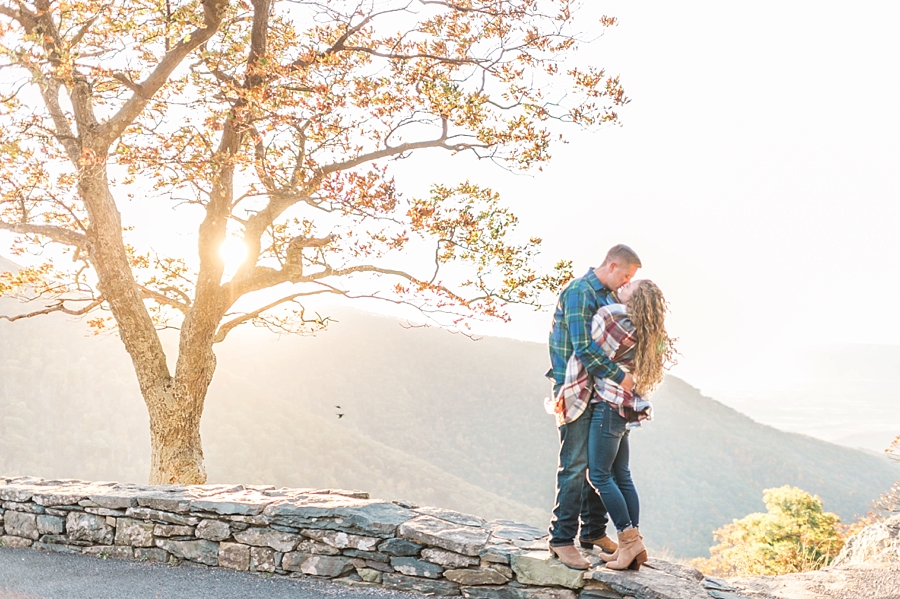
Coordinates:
[632,552]
[611,557]
[570,556]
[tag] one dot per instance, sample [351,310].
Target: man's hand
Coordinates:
[628,382]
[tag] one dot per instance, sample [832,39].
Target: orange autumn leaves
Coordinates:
[287,121]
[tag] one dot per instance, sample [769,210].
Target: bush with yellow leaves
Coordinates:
[795,535]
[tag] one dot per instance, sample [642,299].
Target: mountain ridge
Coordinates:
[429,417]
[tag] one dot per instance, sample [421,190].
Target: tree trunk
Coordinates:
[175,445]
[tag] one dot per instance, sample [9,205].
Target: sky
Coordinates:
[755,172]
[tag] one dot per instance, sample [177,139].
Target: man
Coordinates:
[571,333]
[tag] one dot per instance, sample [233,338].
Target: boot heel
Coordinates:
[586,545]
[639,559]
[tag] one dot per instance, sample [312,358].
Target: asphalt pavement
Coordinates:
[31,574]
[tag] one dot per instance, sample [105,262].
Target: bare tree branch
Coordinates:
[60,306]
[161,298]
[226,327]
[57,234]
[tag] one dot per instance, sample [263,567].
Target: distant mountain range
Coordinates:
[429,417]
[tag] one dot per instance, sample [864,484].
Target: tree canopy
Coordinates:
[277,123]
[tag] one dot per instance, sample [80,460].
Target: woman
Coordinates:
[633,334]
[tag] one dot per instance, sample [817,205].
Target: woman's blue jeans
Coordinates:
[608,466]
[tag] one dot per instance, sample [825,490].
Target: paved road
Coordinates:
[30,574]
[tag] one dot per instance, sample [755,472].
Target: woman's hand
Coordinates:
[628,382]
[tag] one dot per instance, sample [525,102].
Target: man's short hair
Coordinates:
[622,254]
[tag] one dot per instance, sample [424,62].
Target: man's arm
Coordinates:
[578,315]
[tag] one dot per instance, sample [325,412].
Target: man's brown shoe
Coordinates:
[570,557]
[604,543]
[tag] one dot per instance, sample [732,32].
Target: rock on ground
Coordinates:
[844,582]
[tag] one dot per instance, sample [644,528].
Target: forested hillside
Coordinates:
[427,416]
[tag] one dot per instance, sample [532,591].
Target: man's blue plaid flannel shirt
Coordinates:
[571,331]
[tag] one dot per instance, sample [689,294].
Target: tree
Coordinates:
[276,123]
[795,535]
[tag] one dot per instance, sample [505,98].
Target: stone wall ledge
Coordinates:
[338,534]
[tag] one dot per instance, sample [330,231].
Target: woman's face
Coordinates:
[627,290]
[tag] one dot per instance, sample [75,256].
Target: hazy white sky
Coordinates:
[755,173]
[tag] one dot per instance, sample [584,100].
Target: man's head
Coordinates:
[619,266]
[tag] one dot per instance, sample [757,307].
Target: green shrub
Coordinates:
[795,535]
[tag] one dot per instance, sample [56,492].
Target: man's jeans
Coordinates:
[608,453]
[574,495]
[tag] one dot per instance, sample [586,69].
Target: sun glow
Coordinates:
[233,251]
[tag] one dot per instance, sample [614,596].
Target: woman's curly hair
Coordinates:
[654,351]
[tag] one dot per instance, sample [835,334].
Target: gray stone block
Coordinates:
[598,590]
[113,551]
[179,502]
[508,592]
[61,497]
[291,561]
[357,516]
[329,566]
[263,537]
[416,567]
[143,513]
[239,503]
[369,575]
[115,498]
[725,595]
[400,548]
[367,555]
[155,554]
[649,583]
[17,493]
[686,572]
[201,551]
[234,556]
[515,531]
[310,546]
[429,530]
[452,516]
[15,542]
[134,533]
[21,524]
[400,582]
[262,559]
[102,511]
[174,530]
[213,530]
[539,568]
[23,507]
[448,559]
[476,576]
[343,540]
[56,548]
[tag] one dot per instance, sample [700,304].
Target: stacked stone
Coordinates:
[341,535]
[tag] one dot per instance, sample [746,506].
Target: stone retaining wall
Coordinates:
[328,533]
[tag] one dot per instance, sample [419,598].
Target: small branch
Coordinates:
[226,328]
[161,298]
[439,142]
[58,307]
[57,234]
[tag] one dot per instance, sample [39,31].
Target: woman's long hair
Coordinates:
[654,351]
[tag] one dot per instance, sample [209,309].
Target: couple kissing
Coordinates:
[608,351]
